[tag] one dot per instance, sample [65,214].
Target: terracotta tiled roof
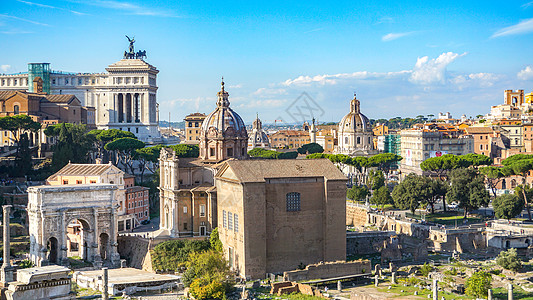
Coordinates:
[6,94]
[259,170]
[293,132]
[84,169]
[59,98]
[472,130]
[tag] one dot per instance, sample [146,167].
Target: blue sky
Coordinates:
[403,58]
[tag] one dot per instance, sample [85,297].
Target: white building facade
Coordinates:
[124,97]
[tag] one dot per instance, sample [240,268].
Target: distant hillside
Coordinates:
[178,125]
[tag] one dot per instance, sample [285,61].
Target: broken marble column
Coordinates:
[489,295]
[435,290]
[393,280]
[105,280]
[339,286]
[376,280]
[377,269]
[510,292]
[7,269]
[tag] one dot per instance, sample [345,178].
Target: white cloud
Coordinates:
[129,8]
[393,36]
[50,6]
[236,86]
[4,68]
[430,71]
[527,5]
[21,19]
[525,26]
[327,79]
[525,74]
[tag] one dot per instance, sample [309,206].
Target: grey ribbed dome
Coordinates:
[224,120]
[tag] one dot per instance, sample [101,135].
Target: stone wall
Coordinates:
[461,240]
[136,252]
[288,287]
[359,243]
[356,215]
[329,270]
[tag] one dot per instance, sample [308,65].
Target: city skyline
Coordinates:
[402,58]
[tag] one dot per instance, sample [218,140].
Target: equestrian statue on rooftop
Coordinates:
[130,54]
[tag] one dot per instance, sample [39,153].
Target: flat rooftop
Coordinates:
[129,276]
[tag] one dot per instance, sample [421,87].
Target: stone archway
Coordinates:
[103,244]
[52,250]
[78,238]
[52,208]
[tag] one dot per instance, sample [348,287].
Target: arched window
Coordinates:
[293,201]
[346,140]
[16,109]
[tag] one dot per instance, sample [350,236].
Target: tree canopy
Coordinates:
[478,284]
[493,175]
[357,193]
[467,188]
[507,206]
[125,149]
[271,154]
[410,193]
[521,164]
[381,197]
[73,144]
[310,148]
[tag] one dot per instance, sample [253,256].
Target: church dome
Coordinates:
[355,121]
[223,134]
[224,121]
[258,137]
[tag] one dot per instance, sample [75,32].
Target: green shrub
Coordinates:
[425,269]
[171,255]
[509,260]
[478,284]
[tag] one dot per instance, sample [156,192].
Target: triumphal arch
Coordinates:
[73,220]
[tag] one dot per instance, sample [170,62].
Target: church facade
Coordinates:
[124,97]
[188,195]
[355,136]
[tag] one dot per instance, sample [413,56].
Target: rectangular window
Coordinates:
[229,152]
[65,181]
[185,209]
[293,201]
[184,226]
[224,219]
[230,221]
[202,210]
[93,181]
[236,222]
[78,181]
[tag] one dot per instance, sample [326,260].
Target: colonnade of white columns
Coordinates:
[128,107]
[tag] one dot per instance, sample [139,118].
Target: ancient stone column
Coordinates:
[62,253]
[393,278]
[489,297]
[377,268]
[7,270]
[105,279]
[510,292]
[376,280]
[435,290]
[339,286]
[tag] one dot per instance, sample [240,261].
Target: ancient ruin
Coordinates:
[52,209]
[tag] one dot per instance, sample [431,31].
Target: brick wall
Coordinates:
[329,270]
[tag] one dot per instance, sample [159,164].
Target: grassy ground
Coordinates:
[518,293]
[422,293]
[447,218]
[77,263]
[264,293]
